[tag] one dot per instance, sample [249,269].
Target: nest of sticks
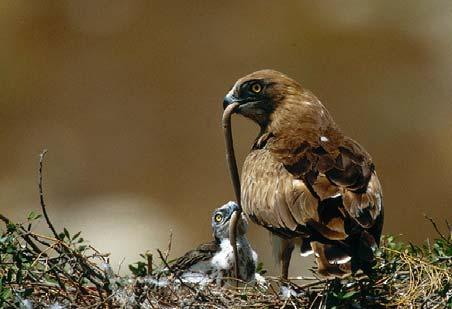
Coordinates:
[62,270]
[39,271]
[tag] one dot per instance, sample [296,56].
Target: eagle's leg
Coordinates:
[287,247]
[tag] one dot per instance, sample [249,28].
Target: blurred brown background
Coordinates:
[127,95]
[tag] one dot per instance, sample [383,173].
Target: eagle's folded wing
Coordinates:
[336,168]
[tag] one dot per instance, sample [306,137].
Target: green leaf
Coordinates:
[76,235]
[33,216]
[6,294]
[260,269]
[10,250]
[11,227]
[66,233]
[349,294]
[139,270]
[27,293]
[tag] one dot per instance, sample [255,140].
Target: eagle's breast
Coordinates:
[272,197]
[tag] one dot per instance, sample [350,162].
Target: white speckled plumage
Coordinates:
[215,260]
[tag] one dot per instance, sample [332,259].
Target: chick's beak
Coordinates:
[235,206]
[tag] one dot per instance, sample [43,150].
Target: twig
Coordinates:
[4,219]
[170,242]
[149,263]
[449,228]
[311,284]
[233,171]
[41,195]
[436,228]
[162,257]
[36,249]
[85,267]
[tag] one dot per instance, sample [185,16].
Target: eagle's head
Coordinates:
[261,93]
[221,218]
[270,98]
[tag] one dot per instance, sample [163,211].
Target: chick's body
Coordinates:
[214,261]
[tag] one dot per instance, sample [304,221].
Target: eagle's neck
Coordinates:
[262,139]
[301,119]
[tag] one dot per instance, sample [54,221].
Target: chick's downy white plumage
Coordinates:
[214,260]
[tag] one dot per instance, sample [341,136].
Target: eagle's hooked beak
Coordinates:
[229,99]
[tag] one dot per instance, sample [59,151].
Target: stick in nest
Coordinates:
[41,195]
[233,171]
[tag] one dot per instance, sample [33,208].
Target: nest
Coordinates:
[62,270]
[39,271]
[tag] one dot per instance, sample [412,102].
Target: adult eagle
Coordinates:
[304,180]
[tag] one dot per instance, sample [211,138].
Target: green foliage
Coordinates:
[32,216]
[260,269]
[32,264]
[138,269]
[405,275]
[15,265]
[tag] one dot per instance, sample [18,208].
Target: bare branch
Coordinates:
[41,195]
[170,242]
[149,263]
[436,228]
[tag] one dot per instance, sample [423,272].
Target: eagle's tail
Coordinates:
[348,256]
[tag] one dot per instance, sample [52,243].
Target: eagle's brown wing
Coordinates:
[340,167]
[324,190]
[331,166]
[201,253]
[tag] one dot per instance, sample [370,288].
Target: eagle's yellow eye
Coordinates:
[218,218]
[256,88]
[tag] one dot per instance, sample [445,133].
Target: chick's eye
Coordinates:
[256,87]
[218,218]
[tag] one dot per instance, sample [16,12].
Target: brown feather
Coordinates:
[202,253]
